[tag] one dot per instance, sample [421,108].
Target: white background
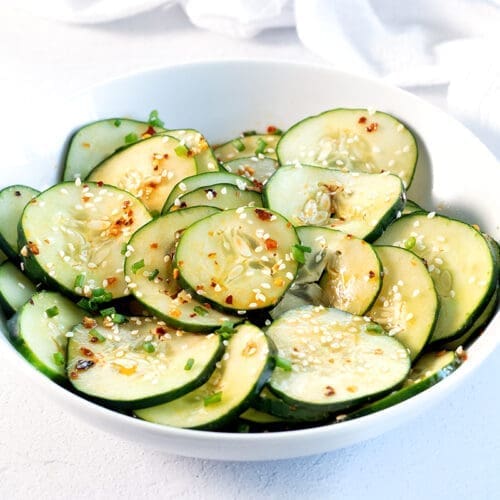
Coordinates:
[452,451]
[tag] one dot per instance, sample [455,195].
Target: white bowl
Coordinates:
[456,174]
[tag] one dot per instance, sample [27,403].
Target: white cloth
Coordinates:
[410,44]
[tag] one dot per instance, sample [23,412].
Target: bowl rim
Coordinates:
[396,413]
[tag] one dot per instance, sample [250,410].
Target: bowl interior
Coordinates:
[456,175]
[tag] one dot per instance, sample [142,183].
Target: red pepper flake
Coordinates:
[86,352]
[258,186]
[86,145]
[175,273]
[33,248]
[165,156]
[229,299]
[89,322]
[352,388]
[160,331]
[349,236]
[212,255]
[150,131]
[371,274]
[271,129]
[111,281]
[372,127]
[263,214]
[329,391]
[73,375]
[193,315]
[154,246]
[100,183]
[206,305]
[362,119]
[183,204]
[125,204]
[271,244]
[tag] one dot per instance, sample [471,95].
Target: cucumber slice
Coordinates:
[478,326]
[299,295]
[355,203]
[148,169]
[73,236]
[13,199]
[40,331]
[15,288]
[429,370]
[259,417]
[244,369]
[411,207]
[353,139]
[93,143]
[223,196]
[257,170]
[335,360]
[272,405]
[197,144]
[140,362]
[258,145]
[464,270]
[149,272]
[202,180]
[3,257]
[352,272]
[238,259]
[407,306]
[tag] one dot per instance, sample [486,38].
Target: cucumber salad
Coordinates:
[277,281]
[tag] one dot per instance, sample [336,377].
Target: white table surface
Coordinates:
[452,451]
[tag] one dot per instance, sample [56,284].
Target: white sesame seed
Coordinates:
[430,215]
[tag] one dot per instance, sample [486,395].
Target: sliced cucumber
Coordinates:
[150,272]
[257,170]
[355,203]
[13,199]
[73,235]
[478,325]
[257,145]
[15,288]
[334,360]
[244,369]
[202,180]
[223,196]
[429,370]
[93,143]
[148,169]
[459,260]
[40,330]
[407,306]
[140,362]
[272,405]
[352,271]
[259,417]
[299,295]
[3,257]
[198,146]
[411,207]
[352,139]
[239,259]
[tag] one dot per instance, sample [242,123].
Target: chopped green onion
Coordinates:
[153,274]
[373,328]
[79,281]
[278,131]
[148,347]
[189,364]
[261,146]
[85,304]
[118,319]
[108,311]
[130,138]
[226,329]
[181,150]
[58,358]
[98,292]
[238,145]
[123,251]
[283,363]
[154,119]
[298,252]
[52,311]
[410,243]
[201,311]
[117,122]
[99,295]
[96,334]
[137,265]
[216,397]
[249,132]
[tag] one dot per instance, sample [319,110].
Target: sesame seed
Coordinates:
[430,215]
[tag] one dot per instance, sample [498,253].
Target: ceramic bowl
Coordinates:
[456,175]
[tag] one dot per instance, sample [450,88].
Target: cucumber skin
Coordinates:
[18,342]
[247,402]
[159,398]
[406,392]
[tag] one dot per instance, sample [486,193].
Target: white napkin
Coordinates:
[410,44]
